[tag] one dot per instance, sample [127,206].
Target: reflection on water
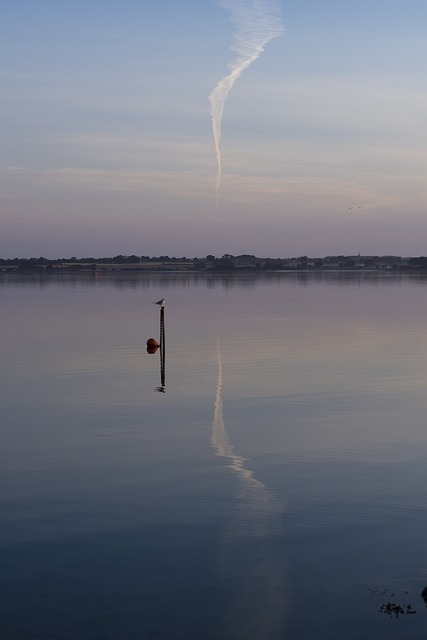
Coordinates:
[126,514]
[169,280]
[248,555]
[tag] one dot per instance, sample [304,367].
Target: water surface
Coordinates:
[274,489]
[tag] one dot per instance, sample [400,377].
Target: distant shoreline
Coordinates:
[210,264]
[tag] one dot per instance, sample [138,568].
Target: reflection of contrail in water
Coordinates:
[257,23]
[250,557]
[256,500]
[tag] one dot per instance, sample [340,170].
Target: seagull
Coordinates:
[160,302]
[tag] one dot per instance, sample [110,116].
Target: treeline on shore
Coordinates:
[226,262]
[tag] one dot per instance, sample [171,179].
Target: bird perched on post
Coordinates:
[160,302]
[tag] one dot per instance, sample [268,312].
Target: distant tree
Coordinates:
[272,263]
[198,264]
[418,263]
[223,264]
[30,263]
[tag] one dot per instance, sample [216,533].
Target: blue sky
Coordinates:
[107,140]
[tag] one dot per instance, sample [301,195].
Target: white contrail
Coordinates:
[257,22]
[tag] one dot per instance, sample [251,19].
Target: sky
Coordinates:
[107,142]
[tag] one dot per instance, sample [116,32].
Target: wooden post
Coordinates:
[162,347]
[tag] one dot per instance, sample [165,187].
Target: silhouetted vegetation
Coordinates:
[227,262]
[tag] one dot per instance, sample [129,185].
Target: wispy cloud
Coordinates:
[310,191]
[257,22]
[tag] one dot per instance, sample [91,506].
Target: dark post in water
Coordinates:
[162,347]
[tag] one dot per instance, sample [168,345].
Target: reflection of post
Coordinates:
[162,347]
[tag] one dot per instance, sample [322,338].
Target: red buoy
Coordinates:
[152,349]
[152,342]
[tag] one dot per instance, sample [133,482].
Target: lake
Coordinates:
[271,484]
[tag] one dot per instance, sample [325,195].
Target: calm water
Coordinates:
[276,489]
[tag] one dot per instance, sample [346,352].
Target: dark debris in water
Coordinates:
[392,608]
[396,610]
